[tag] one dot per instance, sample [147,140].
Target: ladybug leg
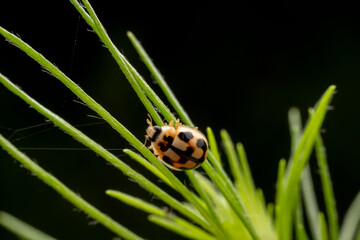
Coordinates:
[178,123]
[146,138]
[171,123]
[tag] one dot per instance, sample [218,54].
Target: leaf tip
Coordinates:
[129,34]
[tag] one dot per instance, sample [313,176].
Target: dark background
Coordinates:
[238,67]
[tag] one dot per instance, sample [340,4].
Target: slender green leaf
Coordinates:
[270,210]
[279,192]
[176,182]
[232,157]
[302,233]
[227,189]
[152,209]
[211,212]
[180,187]
[144,86]
[124,67]
[308,191]
[295,128]
[245,167]
[148,166]
[160,80]
[21,228]
[299,222]
[67,193]
[213,145]
[178,228]
[323,227]
[327,189]
[136,202]
[102,112]
[311,206]
[299,160]
[351,224]
[103,152]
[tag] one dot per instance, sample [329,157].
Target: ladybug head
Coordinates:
[152,132]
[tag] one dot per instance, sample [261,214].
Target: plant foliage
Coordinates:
[216,207]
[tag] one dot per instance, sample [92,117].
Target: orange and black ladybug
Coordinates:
[177,146]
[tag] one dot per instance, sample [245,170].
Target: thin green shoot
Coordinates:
[103,152]
[152,209]
[327,189]
[232,157]
[160,80]
[148,166]
[67,193]
[323,226]
[311,206]
[179,228]
[213,145]
[245,167]
[21,229]
[300,159]
[350,227]
[212,215]
[179,186]
[107,117]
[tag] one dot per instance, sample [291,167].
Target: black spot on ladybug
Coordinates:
[189,151]
[183,160]
[156,133]
[201,144]
[168,139]
[167,160]
[163,147]
[185,154]
[186,136]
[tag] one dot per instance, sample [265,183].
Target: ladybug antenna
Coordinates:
[149,120]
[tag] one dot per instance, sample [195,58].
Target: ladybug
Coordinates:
[177,146]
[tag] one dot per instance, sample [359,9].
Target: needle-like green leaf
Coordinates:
[22,229]
[67,193]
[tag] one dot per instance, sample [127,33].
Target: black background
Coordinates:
[238,67]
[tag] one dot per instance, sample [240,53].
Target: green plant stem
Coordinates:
[323,226]
[232,157]
[160,80]
[102,33]
[148,166]
[136,202]
[327,189]
[245,167]
[299,222]
[126,70]
[211,213]
[176,182]
[228,191]
[177,228]
[103,153]
[213,145]
[350,227]
[134,78]
[107,117]
[311,206]
[279,193]
[152,209]
[22,229]
[300,159]
[67,193]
